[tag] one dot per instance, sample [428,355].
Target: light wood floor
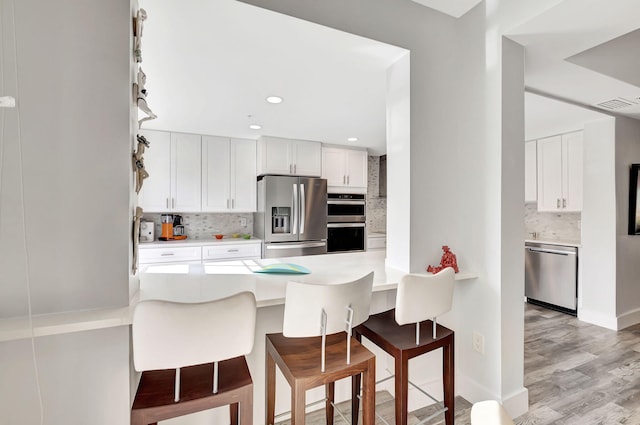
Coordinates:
[576,373]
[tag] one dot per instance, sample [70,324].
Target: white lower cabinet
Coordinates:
[230,251]
[169,254]
[153,254]
[376,241]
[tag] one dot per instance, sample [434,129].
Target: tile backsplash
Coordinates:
[551,225]
[376,206]
[205,225]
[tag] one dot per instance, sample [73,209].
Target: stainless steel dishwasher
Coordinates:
[551,276]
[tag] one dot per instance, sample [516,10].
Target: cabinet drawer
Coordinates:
[222,251]
[376,243]
[169,254]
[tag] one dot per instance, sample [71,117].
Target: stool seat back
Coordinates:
[170,335]
[423,297]
[305,302]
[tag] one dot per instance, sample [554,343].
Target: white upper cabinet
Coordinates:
[173,163]
[289,157]
[530,172]
[345,169]
[228,174]
[560,173]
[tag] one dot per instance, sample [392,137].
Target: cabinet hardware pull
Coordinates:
[167,254]
[290,169]
[295,169]
[564,203]
[167,199]
[232,250]
[173,202]
[558,203]
[233,203]
[348,178]
[227,204]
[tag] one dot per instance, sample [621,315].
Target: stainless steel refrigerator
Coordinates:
[292,216]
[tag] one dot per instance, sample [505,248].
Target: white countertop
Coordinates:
[555,242]
[190,283]
[197,242]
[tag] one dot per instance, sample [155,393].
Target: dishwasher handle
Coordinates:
[550,251]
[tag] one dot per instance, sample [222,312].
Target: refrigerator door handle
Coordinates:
[294,226]
[303,212]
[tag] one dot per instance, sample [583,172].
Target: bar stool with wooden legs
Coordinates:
[192,358]
[405,333]
[315,350]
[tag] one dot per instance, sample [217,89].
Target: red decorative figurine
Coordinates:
[448,260]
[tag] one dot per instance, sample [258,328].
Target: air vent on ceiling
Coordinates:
[615,104]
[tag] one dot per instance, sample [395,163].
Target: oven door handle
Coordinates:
[334,225]
[335,202]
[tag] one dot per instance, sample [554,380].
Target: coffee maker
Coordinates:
[172,227]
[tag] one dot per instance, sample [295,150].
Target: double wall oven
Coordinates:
[346,222]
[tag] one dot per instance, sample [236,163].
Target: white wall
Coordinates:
[456,176]
[73,105]
[627,132]
[73,94]
[399,154]
[598,253]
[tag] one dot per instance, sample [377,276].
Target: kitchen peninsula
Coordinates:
[203,282]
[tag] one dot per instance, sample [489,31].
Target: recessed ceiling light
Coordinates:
[255,127]
[274,99]
[352,139]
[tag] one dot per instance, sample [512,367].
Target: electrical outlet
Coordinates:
[478,342]
[243,221]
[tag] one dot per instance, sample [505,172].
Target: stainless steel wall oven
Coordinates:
[346,228]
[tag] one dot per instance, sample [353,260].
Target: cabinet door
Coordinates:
[333,167]
[155,195]
[186,173]
[216,174]
[530,183]
[549,174]
[275,156]
[572,171]
[356,168]
[308,158]
[243,175]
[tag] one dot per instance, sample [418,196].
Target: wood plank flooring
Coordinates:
[576,373]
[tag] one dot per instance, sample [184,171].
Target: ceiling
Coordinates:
[211,64]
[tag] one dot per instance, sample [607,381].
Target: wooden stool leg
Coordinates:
[448,381]
[298,403]
[270,390]
[330,392]
[246,408]
[355,400]
[369,394]
[233,413]
[355,390]
[401,388]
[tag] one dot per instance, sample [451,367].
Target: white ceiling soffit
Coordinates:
[618,58]
[546,117]
[555,40]
[455,8]
[210,64]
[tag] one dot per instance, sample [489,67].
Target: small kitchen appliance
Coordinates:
[172,227]
[147,231]
[178,228]
[167,227]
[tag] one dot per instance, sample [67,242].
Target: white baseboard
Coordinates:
[516,403]
[599,319]
[629,318]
